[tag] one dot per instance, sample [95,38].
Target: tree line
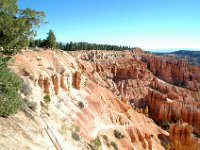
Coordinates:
[74,46]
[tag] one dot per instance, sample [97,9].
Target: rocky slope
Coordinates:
[95,96]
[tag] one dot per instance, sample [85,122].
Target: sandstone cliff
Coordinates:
[174,71]
[181,138]
[80,97]
[91,94]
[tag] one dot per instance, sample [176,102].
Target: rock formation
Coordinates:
[55,81]
[112,82]
[62,81]
[143,138]
[180,136]
[77,80]
[174,71]
[40,82]
[167,103]
[46,86]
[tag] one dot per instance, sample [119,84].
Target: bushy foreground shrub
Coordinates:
[10,84]
[47,98]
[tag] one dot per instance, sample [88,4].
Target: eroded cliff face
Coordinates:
[122,72]
[99,92]
[80,97]
[181,137]
[174,71]
[165,89]
[169,103]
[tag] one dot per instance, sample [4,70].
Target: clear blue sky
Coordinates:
[149,24]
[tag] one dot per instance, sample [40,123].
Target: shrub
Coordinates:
[114,145]
[118,134]
[10,83]
[81,105]
[97,142]
[75,136]
[47,98]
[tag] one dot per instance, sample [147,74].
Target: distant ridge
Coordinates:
[193,56]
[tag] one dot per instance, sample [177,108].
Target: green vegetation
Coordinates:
[75,136]
[17,26]
[10,84]
[74,46]
[47,98]
[96,142]
[118,134]
[114,145]
[51,40]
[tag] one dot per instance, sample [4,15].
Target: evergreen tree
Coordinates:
[17,26]
[32,43]
[51,40]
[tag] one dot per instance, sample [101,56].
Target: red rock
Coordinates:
[62,82]
[46,86]
[174,71]
[55,83]
[77,80]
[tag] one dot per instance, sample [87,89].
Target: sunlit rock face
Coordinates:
[149,81]
[104,91]
[77,80]
[181,137]
[168,102]
[174,71]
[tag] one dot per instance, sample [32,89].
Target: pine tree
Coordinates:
[17,26]
[51,40]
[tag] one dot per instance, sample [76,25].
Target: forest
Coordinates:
[74,46]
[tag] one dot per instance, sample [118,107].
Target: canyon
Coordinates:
[95,94]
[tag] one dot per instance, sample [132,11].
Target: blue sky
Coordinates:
[149,24]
